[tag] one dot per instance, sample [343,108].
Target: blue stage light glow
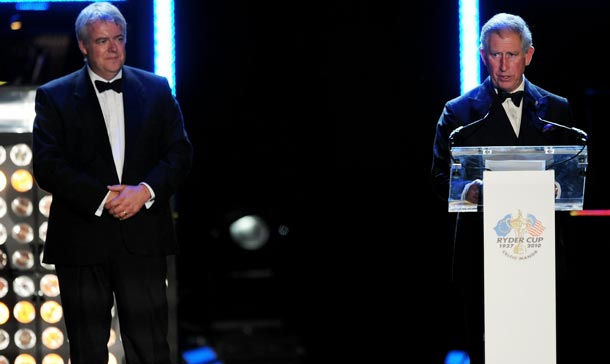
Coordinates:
[164,40]
[200,355]
[457,357]
[470,69]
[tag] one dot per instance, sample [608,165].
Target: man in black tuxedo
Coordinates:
[506,109]
[111,157]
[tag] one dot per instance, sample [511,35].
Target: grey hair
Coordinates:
[98,11]
[506,22]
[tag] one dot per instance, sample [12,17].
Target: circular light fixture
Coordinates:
[22,180]
[250,232]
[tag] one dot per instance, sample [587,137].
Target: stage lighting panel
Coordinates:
[32,328]
[31,317]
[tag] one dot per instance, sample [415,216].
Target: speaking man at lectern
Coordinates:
[506,109]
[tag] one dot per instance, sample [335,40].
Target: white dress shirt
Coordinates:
[513,111]
[114,117]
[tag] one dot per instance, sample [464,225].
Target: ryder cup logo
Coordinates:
[519,237]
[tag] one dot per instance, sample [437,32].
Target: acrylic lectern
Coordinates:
[523,187]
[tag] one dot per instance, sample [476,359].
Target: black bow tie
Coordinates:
[515,96]
[116,85]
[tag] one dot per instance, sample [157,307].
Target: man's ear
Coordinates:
[81,46]
[529,55]
[482,53]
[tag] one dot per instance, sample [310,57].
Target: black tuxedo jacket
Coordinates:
[494,129]
[72,160]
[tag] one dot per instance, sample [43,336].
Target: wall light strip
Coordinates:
[165,47]
[470,72]
[42,5]
[590,213]
[55,1]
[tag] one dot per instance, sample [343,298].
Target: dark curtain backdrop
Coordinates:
[321,114]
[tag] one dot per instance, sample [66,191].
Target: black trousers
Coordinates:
[138,284]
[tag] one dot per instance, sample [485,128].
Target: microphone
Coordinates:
[581,134]
[459,129]
[583,138]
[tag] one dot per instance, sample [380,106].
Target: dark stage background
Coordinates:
[320,116]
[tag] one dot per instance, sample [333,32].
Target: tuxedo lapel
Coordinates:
[134,96]
[90,120]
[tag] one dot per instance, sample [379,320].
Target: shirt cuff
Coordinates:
[100,208]
[151,200]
